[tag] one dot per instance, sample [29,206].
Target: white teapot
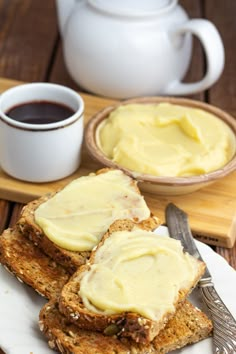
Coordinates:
[127,48]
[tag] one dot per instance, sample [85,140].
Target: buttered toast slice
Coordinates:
[189,325]
[68,224]
[30,265]
[132,283]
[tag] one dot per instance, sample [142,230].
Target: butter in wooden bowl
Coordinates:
[171,145]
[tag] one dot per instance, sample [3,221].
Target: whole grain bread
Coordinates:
[71,260]
[30,265]
[29,229]
[189,325]
[126,324]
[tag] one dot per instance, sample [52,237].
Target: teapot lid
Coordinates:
[133,7]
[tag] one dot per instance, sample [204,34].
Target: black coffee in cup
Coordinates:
[40,112]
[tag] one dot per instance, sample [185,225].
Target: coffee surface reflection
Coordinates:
[40,112]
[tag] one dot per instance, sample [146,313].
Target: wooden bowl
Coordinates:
[161,185]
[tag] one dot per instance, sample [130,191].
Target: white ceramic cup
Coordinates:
[41,152]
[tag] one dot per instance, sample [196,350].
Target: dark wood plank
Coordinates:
[5,208]
[222,14]
[228,254]
[15,214]
[197,66]
[28,33]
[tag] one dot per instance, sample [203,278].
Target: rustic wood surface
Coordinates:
[31,50]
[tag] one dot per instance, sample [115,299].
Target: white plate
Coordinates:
[20,305]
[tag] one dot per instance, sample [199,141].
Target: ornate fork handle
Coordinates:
[224,332]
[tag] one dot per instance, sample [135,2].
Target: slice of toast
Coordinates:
[71,260]
[189,325]
[126,323]
[29,229]
[30,265]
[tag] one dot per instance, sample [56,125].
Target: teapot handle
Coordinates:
[214,50]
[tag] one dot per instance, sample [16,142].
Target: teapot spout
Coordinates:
[64,9]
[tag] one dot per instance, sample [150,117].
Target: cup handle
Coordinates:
[214,50]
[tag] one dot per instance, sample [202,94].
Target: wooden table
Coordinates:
[30,50]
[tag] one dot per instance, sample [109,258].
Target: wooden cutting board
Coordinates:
[212,210]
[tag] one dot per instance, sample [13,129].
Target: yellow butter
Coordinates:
[139,272]
[77,217]
[166,140]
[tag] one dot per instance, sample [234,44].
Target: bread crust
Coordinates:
[30,265]
[28,228]
[71,260]
[126,324]
[189,325]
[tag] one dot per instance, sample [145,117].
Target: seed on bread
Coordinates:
[111,330]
